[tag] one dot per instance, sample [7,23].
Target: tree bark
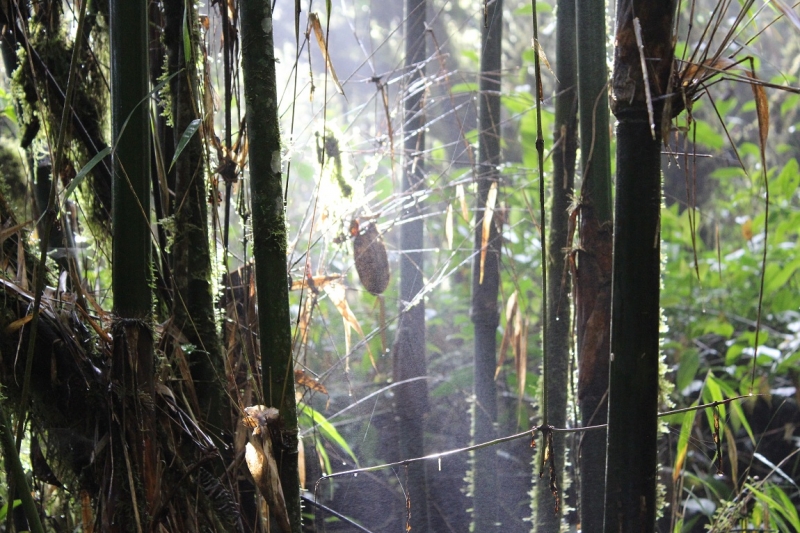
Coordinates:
[269,239]
[486,276]
[547,519]
[409,351]
[193,305]
[633,388]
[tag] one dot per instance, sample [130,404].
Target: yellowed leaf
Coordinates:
[448,226]
[508,332]
[543,57]
[301,378]
[316,282]
[762,113]
[313,19]
[747,229]
[462,198]
[336,292]
[694,72]
[522,357]
[486,227]
[17,324]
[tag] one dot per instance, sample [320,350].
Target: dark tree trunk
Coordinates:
[486,276]
[269,239]
[193,305]
[133,493]
[558,281]
[633,388]
[408,357]
[593,259]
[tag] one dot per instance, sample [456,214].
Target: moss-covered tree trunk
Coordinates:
[593,258]
[133,467]
[486,275]
[269,238]
[547,519]
[408,351]
[193,305]
[643,40]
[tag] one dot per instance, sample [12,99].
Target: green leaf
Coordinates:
[187,37]
[687,369]
[4,509]
[314,418]
[79,177]
[188,133]
[463,88]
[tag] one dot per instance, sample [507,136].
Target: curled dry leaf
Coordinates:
[372,263]
[313,19]
[260,459]
[301,378]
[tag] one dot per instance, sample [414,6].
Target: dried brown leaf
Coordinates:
[508,332]
[260,459]
[17,324]
[521,357]
[313,19]
[301,378]
[486,227]
[762,113]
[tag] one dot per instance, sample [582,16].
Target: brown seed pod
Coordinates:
[369,252]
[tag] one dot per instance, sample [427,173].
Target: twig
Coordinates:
[531,432]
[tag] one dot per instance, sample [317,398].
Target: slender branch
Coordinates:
[531,433]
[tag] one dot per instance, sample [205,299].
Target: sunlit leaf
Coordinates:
[448,226]
[314,418]
[313,19]
[462,199]
[486,227]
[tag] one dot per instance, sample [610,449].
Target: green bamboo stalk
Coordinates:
[134,487]
[486,275]
[269,238]
[556,382]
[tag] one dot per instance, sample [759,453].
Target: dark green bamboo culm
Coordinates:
[643,56]
[269,238]
[593,259]
[133,423]
[408,350]
[547,518]
[486,275]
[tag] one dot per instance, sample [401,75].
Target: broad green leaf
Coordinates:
[79,177]
[687,369]
[326,428]
[191,129]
